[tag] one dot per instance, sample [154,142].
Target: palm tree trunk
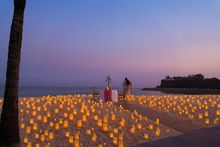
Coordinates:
[9,124]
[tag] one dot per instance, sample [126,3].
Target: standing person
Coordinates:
[127,86]
[124,86]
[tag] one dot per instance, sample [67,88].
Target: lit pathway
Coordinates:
[208,137]
[166,119]
[194,135]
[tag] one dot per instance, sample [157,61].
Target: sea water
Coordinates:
[27,91]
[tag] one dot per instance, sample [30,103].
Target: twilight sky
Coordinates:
[79,42]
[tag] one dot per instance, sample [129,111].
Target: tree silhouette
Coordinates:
[9,124]
[197,81]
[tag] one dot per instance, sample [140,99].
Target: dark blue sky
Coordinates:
[79,42]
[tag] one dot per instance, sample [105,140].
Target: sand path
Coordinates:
[181,125]
[208,137]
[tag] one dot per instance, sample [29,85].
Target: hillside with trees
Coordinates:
[197,81]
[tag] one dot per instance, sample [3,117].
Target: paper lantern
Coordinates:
[82,110]
[67,134]
[200,116]
[51,124]
[115,130]
[76,136]
[71,140]
[38,109]
[36,136]
[68,108]
[111,135]
[45,119]
[56,111]
[87,113]
[206,114]
[22,126]
[39,117]
[48,115]
[61,121]
[57,126]
[157,121]
[216,120]
[105,119]
[65,124]
[88,131]
[25,140]
[115,140]
[139,126]
[94,137]
[21,102]
[140,117]
[51,136]
[34,113]
[79,124]
[207,122]
[45,109]
[146,136]
[120,144]
[121,137]
[74,112]
[71,117]
[76,143]
[84,118]
[122,122]
[35,127]
[132,130]
[42,138]
[157,132]
[29,144]
[99,122]
[113,117]
[132,116]
[61,106]
[65,115]
[95,117]
[28,130]
[28,106]
[218,112]
[105,127]
[150,127]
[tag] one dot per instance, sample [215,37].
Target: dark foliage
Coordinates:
[197,81]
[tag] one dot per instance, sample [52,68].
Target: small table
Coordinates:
[114,95]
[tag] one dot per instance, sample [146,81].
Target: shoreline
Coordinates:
[184,91]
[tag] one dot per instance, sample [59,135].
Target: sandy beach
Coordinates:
[80,121]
